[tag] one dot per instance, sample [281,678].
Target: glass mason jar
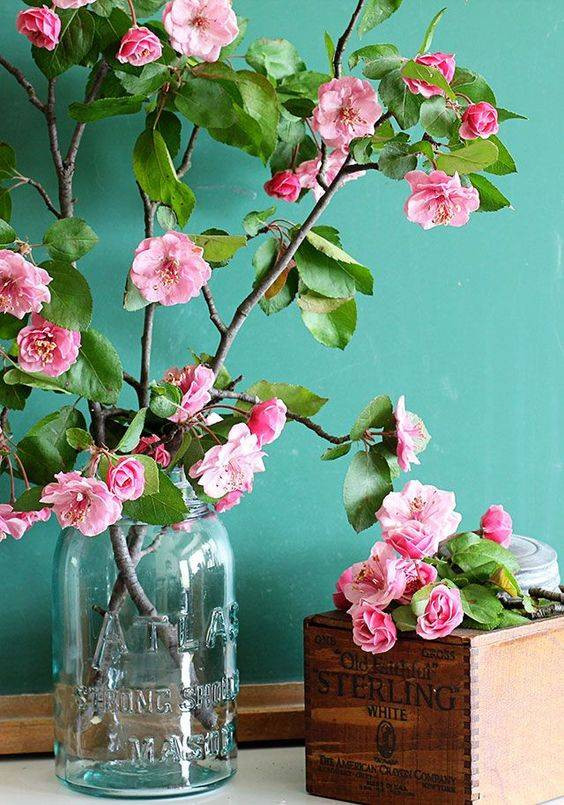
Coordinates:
[145,700]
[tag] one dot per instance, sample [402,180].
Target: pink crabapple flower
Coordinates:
[230,467]
[169,269]
[126,479]
[439,200]
[479,120]
[413,539]
[440,614]
[412,436]
[83,503]
[153,447]
[23,286]
[71,3]
[200,28]
[41,26]
[139,46]
[46,347]
[496,524]
[420,505]
[267,420]
[417,575]
[347,108]
[195,383]
[228,501]
[284,185]
[307,171]
[380,579]
[346,577]
[374,631]
[11,522]
[443,62]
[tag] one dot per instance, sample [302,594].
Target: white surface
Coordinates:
[264,777]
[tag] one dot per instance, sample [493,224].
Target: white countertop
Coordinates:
[265,776]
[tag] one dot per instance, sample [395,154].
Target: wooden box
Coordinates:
[472,716]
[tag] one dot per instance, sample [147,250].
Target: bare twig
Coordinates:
[70,159]
[215,318]
[358,168]
[344,38]
[27,85]
[44,195]
[184,166]
[131,381]
[50,113]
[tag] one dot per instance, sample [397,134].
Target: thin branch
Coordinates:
[131,381]
[52,126]
[70,159]
[215,318]
[281,265]
[219,394]
[98,428]
[184,166]
[344,38]
[27,85]
[44,195]
[366,166]
[148,321]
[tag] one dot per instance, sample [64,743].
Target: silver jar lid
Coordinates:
[538,563]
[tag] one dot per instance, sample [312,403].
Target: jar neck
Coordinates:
[196,507]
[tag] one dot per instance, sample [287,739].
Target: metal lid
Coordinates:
[538,563]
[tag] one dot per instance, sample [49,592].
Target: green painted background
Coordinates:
[467,323]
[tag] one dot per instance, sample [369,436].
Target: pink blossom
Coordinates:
[23,286]
[439,200]
[267,420]
[479,120]
[169,269]
[346,577]
[31,518]
[411,434]
[126,479]
[139,46]
[380,579]
[418,518]
[153,447]
[83,503]
[71,3]
[443,62]
[348,107]
[417,575]
[284,185]
[307,171]
[195,382]
[200,28]
[11,522]
[45,347]
[230,467]
[497,525]
[228,501]
[441,613]
[373,630]
[41,26]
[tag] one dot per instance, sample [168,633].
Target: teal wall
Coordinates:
[467,323]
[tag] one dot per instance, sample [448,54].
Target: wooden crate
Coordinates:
[473,716]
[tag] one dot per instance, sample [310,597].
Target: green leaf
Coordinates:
[79,439]
[484,551]
[396,160]
[263,259]
[402,103]
[165,399]
[473,85]
[391,458]
[164,507]
[379,60]
[304,84]
[71,300]
[150,79]
[30,500]
[276,58]
[323,274]
[461,542]
[97,374]
[375,12]
[254,221]
[491,199]
[106,107]
[298,399]
[377,414]
[206,103]
[75,41]
[504,163]
[156,175]
[422,147]
[473,157]
[130,438]
[422,72]
[44,450]
[404,618]
[367,483]
[7,161]
[362,149]
[360,274]
[13,397]
[5,204]
[481,604]
[505,580]
[429,33]
[315,303]
[510,618]
[329,49]
[437,118]
[69,239]
[334,329]
[219,248]
[132,299]
[505,114]
[7,233]
[166,218]
[336,452]
[10,326]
